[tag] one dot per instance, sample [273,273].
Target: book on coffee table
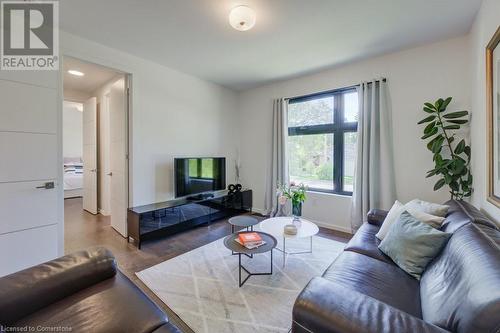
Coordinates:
[249,238]
[250,246]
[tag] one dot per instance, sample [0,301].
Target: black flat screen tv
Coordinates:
[195,175]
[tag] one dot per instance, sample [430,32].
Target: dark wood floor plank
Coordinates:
[84,230]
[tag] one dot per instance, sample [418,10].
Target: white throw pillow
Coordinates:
[391,217]
[421,210]
[432,220]
[428,207]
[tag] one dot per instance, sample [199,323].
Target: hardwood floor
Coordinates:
[83,230]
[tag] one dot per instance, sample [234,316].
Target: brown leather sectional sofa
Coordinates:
[80,292]
[364,291]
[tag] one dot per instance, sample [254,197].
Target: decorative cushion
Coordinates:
[428,207]
[433,221]
[422,210]
[412,244]
[391,217]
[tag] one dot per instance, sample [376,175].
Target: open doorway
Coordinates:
[95,140]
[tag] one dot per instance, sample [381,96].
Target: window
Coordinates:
[322,140]
[201,168]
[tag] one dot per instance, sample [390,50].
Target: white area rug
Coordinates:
[201,286]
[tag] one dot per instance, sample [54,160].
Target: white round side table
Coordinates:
[275,226]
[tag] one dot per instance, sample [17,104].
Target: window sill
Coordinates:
[335,194]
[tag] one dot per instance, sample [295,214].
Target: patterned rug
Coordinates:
[201,286]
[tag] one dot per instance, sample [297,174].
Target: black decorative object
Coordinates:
[234,188]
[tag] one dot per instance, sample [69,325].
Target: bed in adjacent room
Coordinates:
[73,178]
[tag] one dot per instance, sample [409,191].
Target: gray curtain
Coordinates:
[374,182]
[278,171]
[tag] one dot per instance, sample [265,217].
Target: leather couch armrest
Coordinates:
[325,306]
[376,216]
[32,289]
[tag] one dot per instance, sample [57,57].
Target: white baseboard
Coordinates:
[318,223]
[331,226]
[103,212]
[258,211]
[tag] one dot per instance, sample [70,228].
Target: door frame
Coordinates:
[128,77]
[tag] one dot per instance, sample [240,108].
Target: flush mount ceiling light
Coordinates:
[242,18]
[75,72]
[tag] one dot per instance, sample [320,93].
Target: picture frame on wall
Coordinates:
[493,117]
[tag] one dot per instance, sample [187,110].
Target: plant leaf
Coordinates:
[460,148]
[431,133]
[454,186]
[440,183]
[445,104]
[438,104]
[426,120]
[456,114]
[458,121]
[467,151]
[432,172]
[451,127]
[429,127]
[431,143]
[429,110]
[458,167]
[429,105]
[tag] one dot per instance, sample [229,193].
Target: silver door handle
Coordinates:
[110,174]
[93,170]
[47,186]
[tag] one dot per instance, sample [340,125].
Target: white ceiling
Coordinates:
[291,37]
[95,76]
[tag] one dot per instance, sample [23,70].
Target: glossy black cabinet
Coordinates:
[169,217]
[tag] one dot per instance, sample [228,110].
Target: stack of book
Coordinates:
[250,240]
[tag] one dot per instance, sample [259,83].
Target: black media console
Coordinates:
[166,218]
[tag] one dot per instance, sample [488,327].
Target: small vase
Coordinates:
[297,213]
[297,209]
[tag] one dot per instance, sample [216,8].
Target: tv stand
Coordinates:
[200,196]
[169,217]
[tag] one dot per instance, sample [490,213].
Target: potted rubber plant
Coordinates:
[451,155]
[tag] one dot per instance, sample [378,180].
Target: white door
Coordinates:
[118,120]
[31,212]
[90,155]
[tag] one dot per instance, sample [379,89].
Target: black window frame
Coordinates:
[338,128]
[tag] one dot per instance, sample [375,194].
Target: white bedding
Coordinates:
[73,181]
[73,174]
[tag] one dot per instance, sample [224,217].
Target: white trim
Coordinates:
[258,210]
[103,212]
[331,226]
[318,223]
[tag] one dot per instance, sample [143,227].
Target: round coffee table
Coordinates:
[275,226]
[242,221]
[235,247]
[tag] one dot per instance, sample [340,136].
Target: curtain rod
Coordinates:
[333,90]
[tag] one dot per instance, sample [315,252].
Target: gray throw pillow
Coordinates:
[412,244]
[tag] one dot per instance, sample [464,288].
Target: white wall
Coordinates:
[173,114]
[72,130]
[76,96]
[487,21]
[414,76]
